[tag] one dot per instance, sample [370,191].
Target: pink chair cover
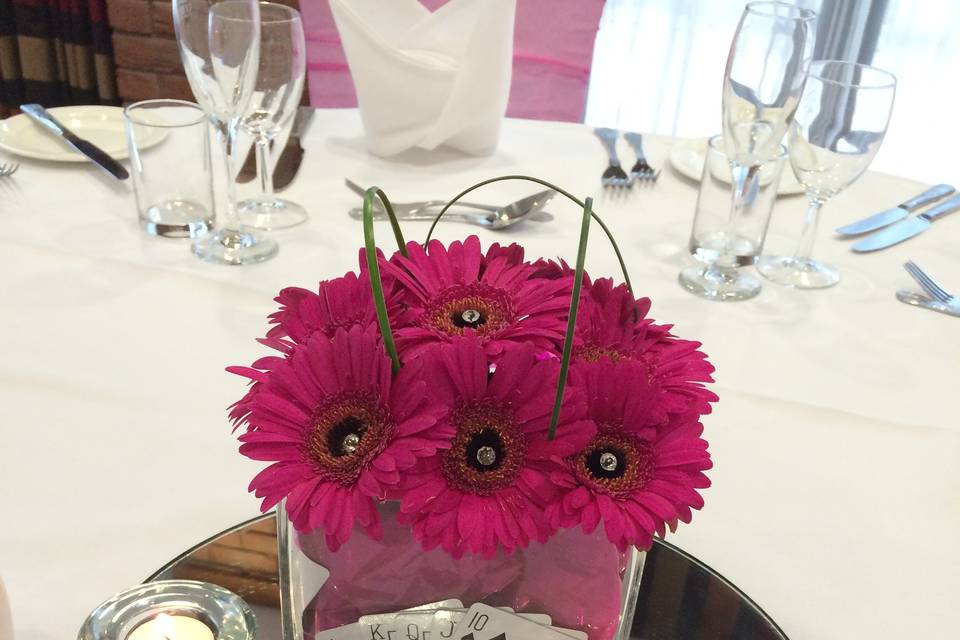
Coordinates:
[552,53]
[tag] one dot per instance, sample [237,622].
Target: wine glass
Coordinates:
[220,47]
[766,68]
[276,95]
[838,129]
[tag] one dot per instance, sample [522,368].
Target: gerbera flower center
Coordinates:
[488,450]
[614,462]
[343,438]
[594,353]
[348,431]
[651,365]
[476,306]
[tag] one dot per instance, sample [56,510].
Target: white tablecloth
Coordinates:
[837,448]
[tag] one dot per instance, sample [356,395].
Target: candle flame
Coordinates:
[165,627]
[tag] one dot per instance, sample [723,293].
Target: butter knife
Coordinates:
[906,229]
[100,157]
[899,212]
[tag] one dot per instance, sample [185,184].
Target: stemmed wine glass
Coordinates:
[766,68]
[219,44]
[838,129]
[276,95]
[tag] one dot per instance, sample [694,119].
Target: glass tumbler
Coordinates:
[169,146]
[722,242]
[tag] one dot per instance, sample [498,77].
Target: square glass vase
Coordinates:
[581,581]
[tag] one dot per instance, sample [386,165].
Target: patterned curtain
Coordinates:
[55,52]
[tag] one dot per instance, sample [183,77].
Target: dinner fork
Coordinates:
[641,169]
[613,175]
[928,284]
[8,169]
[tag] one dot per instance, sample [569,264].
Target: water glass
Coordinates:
[720,242]
[172,180]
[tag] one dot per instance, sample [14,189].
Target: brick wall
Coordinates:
[145,50]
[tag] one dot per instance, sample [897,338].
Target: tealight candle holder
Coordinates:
[171,610]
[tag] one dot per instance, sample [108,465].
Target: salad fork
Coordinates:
[613,175]
[641,168]
[928,284]
[8,169]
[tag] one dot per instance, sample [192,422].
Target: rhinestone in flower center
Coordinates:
[487,456]
[476,306]
[615,463]
[469,318]
[347,431]
[488,451]
[343,438]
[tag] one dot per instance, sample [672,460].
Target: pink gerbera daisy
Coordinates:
[457,290]
[340,303]
[490,487]
[339,431]
[634,477]
[612,325]
[558,268]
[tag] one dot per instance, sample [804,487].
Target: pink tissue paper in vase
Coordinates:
[374,576]
[575,578]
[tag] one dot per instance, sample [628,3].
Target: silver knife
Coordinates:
[87,148]
[899,212]
[908,228]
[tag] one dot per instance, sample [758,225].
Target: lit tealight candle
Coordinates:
[172,627]
[171,610]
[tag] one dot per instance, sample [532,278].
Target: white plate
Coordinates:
[687,157]
[103,126]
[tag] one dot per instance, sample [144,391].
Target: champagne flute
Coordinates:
[766,68]
[276,95]
[838,129]
[220,47]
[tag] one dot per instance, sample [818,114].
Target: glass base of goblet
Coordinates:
[799,273]
[234,247]
[714,283]
[271,214]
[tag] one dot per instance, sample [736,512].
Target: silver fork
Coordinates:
[8,169]
[613,175]
[641,168]
[928,284]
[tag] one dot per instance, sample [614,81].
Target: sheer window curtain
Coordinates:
[658,68]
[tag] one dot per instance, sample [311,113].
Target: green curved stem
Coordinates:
[394,223]
[581,204]
[571,317]
[373,267]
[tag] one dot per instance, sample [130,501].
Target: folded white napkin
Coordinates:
[424,79]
